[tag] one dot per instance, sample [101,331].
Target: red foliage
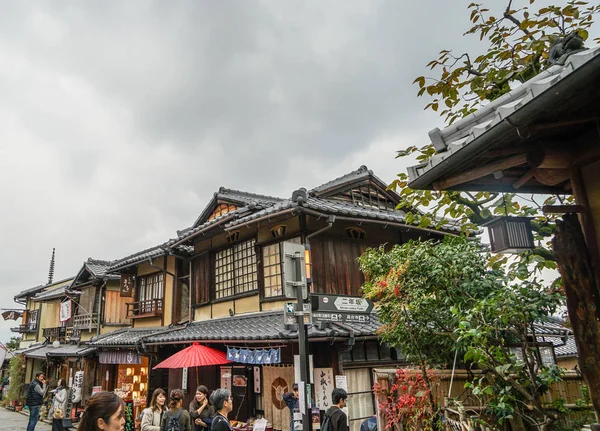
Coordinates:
[407,399]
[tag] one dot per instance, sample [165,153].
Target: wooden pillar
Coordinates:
[583,299]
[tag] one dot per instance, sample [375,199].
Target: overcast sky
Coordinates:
[119,120]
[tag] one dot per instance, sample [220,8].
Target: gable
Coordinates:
[366,193]
[221,208]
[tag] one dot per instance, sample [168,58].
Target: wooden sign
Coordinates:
[127,283]
[129,419]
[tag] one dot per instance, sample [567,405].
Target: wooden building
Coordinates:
[222,280]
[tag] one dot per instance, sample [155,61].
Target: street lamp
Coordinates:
[308,264]
[510,234]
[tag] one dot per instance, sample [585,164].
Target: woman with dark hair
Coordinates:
[59,403]
[152,416]
[105,411]
[176,418]
[201,411]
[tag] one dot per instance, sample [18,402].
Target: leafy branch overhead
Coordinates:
[519,42]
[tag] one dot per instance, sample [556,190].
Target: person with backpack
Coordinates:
[223,402]
[35,399]
[153,415]
[335,419]
[176,418]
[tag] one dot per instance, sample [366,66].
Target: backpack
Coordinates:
[172,422]
[327,425]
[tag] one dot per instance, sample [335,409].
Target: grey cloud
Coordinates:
[118,120]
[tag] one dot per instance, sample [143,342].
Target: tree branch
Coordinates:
[516,22]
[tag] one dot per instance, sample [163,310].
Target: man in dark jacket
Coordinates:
[35,399]
[291,400]
[339,420]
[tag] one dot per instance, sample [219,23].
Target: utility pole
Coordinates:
[295,286]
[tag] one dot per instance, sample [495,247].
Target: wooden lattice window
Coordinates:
[222,209]
[272,270]
[235,270]
[150,287]
[366,195]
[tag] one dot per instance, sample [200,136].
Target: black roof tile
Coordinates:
[256,326]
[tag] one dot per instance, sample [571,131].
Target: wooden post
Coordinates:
[583,299]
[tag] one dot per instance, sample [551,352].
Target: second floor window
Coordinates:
[150,287]
[32,319]
[272,270]
[235,270]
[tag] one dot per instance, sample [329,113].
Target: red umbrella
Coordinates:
[194,356]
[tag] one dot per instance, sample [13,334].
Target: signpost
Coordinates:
[338,308]
[295,286]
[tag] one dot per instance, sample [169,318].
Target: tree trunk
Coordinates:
[583,299]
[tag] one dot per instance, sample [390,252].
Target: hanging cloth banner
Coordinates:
[254,356]
[119,357]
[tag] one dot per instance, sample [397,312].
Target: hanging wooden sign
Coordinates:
[127,283]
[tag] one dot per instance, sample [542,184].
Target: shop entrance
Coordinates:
[239,380]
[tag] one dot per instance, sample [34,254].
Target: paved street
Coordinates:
[17,421]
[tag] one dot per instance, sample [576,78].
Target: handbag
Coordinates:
[58,413]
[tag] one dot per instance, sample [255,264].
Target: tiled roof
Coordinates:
[33,290]
[159,250]
[98,267]
[54,293]
[331,207]
[235,196]
[126,337]
[29,292]
[65,350]
[186,233]
[361,173]
[71,350]
[566,350]
[461,136]
[256,326]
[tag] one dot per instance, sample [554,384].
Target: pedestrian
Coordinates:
[105,411]
[291,400]
[223,402]
[59,403]
[35,398]
[335,415]
[176,418]
[153,415]
[201,411]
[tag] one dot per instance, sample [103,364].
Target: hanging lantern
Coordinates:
[510,234]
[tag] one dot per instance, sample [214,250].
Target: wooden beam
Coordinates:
[562,209]
[473,174]
[526,177]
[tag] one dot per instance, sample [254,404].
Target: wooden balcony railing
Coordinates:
[85,321]
[147,308]
[25,329]
[57,332]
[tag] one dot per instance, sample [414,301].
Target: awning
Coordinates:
[39,353]
[71,351]
[64,351]
[120,357]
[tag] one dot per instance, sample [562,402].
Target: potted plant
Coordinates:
[17,378]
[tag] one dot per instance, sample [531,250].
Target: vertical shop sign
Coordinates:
[323,387]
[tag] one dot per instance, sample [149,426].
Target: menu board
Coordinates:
[129,419]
